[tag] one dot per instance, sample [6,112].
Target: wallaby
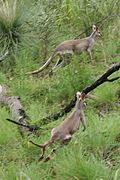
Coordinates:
[71,47]
[67,128]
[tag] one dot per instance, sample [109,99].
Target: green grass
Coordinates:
[93,154]
[83,158]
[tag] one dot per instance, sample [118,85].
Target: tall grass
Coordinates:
[91,155]
[8,11]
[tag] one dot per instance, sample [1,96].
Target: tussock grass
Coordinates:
[9,24]
[8,10]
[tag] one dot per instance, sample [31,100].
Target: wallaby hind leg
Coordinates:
[43,146]
[63,61]
[42,154]
[68,58]
[49,157]
[59,63]
[89,51]
[58,67]
[65,141]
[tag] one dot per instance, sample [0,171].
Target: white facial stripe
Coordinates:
[78,94]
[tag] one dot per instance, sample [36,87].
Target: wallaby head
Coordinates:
[80,100]
[80,96]
[96,31]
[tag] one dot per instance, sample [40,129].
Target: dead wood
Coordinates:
[85,91]
[17,111]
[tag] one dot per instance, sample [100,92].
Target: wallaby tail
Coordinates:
[38,145]
[44,66]
[15,122]
[30,127]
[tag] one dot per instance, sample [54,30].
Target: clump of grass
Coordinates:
[106,97]
[76,166]
[8,10]
[6,133]
[9,24]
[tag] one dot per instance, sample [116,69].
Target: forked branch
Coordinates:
[101,80]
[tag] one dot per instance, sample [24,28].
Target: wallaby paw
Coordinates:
[84,129]
[47,159]
[41,157]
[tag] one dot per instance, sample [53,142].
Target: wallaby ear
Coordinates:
[78,94]
[94,28]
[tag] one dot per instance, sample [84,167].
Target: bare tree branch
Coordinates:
[113,79]
[101,80]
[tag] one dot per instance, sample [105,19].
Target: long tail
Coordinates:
[38,145]
[44,66]
[20,124]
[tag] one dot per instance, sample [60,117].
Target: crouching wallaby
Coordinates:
[67,128]
[71,47]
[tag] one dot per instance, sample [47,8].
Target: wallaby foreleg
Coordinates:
[58,67]
[83,122]
[89,51]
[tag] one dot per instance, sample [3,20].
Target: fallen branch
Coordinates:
[17,110]
[85,91]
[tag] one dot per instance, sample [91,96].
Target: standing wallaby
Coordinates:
[67,128]
[71,47]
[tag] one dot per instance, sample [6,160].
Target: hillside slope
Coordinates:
[93,154]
